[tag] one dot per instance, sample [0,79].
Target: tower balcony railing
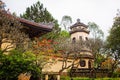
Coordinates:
[79,30]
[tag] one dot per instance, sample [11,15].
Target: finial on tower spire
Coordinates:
[78,20]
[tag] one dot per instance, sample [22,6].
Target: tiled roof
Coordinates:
[35,29]
[24,21]
[78,23]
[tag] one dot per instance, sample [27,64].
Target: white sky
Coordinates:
[101,12]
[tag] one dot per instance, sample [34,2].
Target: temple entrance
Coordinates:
[52,77]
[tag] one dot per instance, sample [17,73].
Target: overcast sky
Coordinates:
[101,12]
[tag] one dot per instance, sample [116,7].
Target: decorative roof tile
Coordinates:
[78,23]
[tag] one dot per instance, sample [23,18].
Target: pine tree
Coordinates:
[113,42]
[39,14]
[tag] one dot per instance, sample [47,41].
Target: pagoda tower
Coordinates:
[79,32]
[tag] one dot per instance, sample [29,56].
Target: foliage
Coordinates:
[9,26]
[69,50]
[39,14]
[16,63]
[2,5]
[107,64]
[118,70]
[42,46]
[113,42]
[24,76]
[99,59]
[44,50]
[64,34]
[66,22]
[64,78]
[95,31]
[113,39]
[96,42]
[95,45]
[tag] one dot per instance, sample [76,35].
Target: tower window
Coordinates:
[80,37]
[86,38]
[74,40]
[89,63]
[82,63]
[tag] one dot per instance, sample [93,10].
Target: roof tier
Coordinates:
[35,29]
[78,23]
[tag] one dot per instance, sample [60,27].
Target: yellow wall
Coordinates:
[7,44]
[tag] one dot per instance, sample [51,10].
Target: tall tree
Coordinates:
[69,50]
[66,22]
[39,14]
[113,41]
[96,41]
[95,31]
[64,34]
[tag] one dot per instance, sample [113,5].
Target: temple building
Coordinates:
[34,29]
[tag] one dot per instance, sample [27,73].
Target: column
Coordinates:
[46,77]
[58,77]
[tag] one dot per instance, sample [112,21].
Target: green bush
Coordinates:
[116,74]
[17,62]
[64,78]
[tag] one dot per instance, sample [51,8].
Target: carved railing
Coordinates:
[89,72]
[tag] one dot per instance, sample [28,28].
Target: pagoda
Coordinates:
[79,33]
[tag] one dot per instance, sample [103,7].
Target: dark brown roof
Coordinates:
[78,23]
[24,21]
[35,29]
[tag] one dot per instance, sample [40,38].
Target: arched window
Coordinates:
[73,40]
[86,38]
[80,37]
[89,64]
[82,63]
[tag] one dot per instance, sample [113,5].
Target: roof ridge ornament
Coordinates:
[78,20]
